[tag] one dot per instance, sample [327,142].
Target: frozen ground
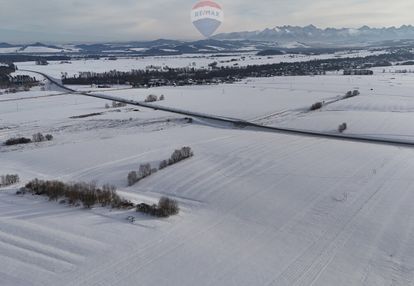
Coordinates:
[257,208]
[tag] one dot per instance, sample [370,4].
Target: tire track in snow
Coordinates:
[400,254]
[309,203]
[307,267]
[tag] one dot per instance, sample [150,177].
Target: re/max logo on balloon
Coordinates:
[207,16]
[203,13]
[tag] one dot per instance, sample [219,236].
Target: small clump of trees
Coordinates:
[115,104]
[178,156]
[145,170]
[38,137]
[151,98]
[42,62]
[87,194]
[351,93]
[316,106]
[342,127]
[17,141]
[166,207]
[8,180]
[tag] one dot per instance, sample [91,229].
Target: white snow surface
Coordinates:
[55,68]
[257,208]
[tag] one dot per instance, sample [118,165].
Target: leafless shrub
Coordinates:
[132,178]
[180,155]
[151,98]
[116,104]
[8,180]
[342,127]
[163,164]
[316,106]
[17,141]
[39,137]
[144,171]
[351,93]
[166,207]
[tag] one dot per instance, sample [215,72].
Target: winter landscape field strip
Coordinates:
[237,122]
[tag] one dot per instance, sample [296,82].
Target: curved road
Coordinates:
[236,122]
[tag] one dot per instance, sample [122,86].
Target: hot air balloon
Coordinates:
[207,16]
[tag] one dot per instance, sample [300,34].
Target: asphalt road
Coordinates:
[237,123]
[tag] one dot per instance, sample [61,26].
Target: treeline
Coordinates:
[27,58]
[191,75]
[87,194]
[5,71]
[145,170]
[8,180]
[348,94]
[15,83]
[37,138]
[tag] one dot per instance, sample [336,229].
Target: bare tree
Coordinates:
[342,127]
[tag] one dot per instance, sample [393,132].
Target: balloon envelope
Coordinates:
[207,17]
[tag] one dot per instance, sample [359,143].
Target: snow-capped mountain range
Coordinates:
[284,38]
[311,34]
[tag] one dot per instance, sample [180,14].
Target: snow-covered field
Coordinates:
[55,68]
[257,208]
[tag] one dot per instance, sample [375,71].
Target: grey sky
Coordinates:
[119,20]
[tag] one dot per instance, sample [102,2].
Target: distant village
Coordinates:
[153,76]
[215,74]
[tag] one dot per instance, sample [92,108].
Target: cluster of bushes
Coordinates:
[166,207]
[351,93]
[16,141]
[42,62]
[342,127]
[87,194]
[316,106]
[115,104]
[8,180]
[38,137]
[154,98]
[144,171]
[177,156]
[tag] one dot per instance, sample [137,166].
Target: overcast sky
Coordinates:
[127,20]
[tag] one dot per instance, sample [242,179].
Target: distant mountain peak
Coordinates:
[311,34]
